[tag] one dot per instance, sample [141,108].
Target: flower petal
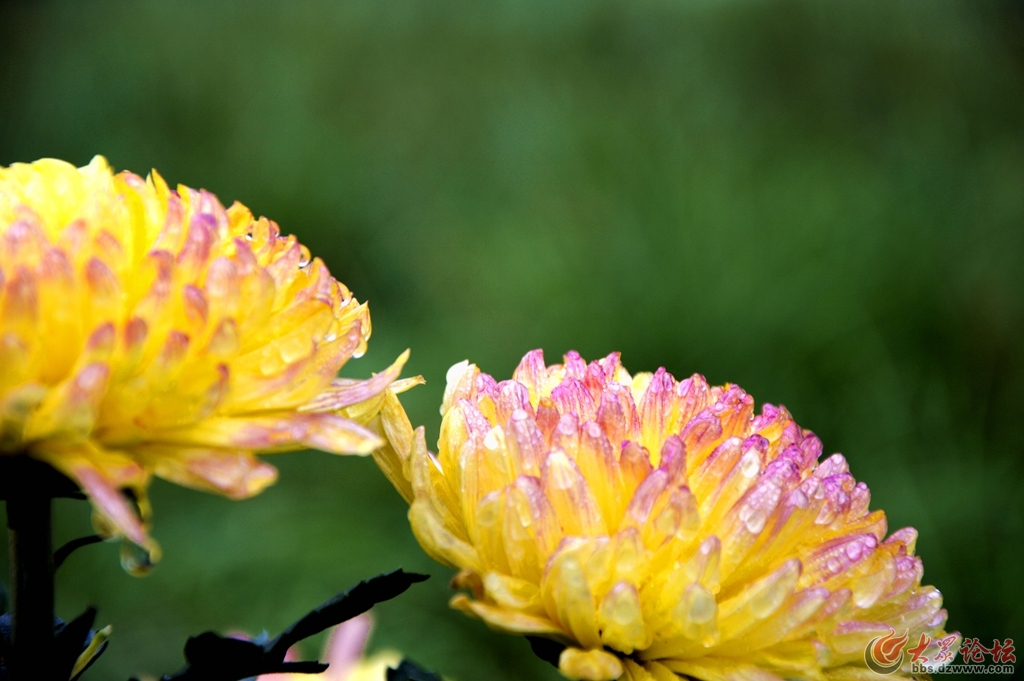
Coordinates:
[235,473]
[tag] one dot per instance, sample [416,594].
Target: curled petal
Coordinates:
[437,540]
[589,665]
[268,433]
[103,475]
[236,474]
[505,620]
[400,441]
[343,393]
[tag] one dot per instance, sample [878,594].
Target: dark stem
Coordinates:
[31,553]
[61,554]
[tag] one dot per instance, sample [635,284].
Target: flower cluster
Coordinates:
[649,528]
[655,527]
[149,331]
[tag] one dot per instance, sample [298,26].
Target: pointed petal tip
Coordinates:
[403,384]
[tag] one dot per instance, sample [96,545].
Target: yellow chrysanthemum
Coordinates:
[150,331]
[656,527]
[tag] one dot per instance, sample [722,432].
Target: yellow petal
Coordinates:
[589,665]
[506,620]
[237,474]
[437,540]
[102,475]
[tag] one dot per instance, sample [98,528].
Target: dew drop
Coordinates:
[854,550]
[702,605]
[755,522]
[294,349]
[750,464]
[493,440]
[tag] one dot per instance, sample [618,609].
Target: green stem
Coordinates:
[31,553]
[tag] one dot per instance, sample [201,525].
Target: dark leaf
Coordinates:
[211,657]
[211,651]
[345,606]
[215,658]
[71,640]
[410,671]
[295,668]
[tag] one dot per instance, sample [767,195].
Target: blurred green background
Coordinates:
[820,201]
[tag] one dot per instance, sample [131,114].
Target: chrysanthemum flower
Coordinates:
[655,527]
[147,331]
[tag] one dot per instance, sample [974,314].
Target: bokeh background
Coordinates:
[820,201]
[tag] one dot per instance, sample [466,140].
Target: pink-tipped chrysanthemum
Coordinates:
[150,331]
[658,528]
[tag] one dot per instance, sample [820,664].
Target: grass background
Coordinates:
[820,201]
